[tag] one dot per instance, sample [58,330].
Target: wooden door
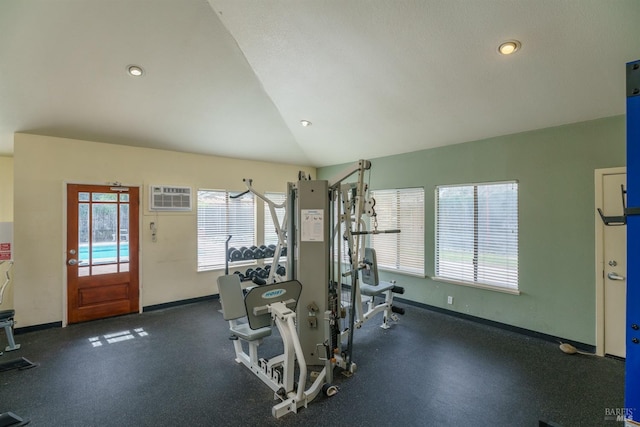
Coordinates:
[102,251]
[615,268]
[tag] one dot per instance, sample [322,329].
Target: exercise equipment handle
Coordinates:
[226,257]
[358,233]
[239,195]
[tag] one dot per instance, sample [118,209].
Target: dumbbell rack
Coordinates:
[244,254]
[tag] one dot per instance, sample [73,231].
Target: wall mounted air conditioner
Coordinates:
[169,198]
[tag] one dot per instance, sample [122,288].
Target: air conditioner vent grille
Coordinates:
[169,198]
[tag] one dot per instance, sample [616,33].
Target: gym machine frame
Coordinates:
[316,261]
[280,229]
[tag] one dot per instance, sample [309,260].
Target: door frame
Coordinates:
[599,253]
[63,261]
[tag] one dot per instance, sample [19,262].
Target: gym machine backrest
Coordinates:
[370,272]
[371,284]
[259,298]
[233,308]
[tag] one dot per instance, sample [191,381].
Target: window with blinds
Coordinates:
[218,217]
[400,209]
[477,234]
[270,236]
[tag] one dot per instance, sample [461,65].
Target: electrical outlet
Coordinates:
[313,322]
[449,299]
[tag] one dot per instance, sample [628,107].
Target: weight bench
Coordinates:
[371,287]
[7,316]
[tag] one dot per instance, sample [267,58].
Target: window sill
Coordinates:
[477,285]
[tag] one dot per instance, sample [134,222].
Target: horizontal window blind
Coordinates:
[270,236]
[400,209]
[218,217]
[477,233]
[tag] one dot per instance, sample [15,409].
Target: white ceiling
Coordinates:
[376,77]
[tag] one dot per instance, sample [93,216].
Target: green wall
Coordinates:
[555,170]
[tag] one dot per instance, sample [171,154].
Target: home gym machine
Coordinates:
[7,322]
[324,233]
[632,214]
[7,316]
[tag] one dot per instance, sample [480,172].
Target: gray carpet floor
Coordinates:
[175,367]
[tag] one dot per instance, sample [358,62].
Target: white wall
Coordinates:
[6,189]
[43,165]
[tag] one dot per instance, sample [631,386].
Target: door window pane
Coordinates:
[105,229]
[104,197]
[83,232]
[104,269]
[124,223]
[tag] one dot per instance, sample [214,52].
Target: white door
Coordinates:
[615,268]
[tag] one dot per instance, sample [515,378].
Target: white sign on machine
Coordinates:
[312,225]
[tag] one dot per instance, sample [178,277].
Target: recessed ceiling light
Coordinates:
[305,123]
[509,47]
[135,70]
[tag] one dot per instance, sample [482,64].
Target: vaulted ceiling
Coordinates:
[374,77]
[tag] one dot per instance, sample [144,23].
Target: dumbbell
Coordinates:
[283,251]
[258,253]
[234,254]
[249,273]
[258,272]
[246,253]
[239,274]
[270,251]
[263,273]
[281,271]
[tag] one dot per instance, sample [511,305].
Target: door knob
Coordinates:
[614,276]
[72,261]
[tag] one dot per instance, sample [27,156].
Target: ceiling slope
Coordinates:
[63,73]
[378,77]
[375,77]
